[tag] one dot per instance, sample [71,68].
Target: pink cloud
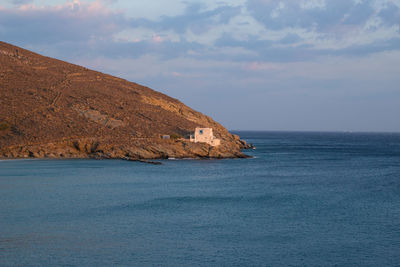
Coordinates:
[176,74]
[71,20]
[157,38]
[260,66]
[76,8]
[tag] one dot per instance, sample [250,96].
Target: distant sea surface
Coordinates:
[305,199]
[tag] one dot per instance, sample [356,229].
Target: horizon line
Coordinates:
[317,131]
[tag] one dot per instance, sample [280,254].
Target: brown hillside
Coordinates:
[51,108]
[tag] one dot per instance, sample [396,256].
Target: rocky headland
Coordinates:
[53,109]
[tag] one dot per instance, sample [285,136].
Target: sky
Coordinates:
[300,65]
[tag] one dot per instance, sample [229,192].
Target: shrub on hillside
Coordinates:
[175,136]
[4,126]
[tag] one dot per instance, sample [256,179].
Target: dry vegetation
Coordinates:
[46,105]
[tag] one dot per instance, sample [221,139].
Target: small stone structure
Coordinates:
[166,136]
[205,135]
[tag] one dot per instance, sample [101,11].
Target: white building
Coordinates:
[205,135]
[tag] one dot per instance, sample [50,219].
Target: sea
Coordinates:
[303,199]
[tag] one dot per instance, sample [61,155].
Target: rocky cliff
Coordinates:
[54,109]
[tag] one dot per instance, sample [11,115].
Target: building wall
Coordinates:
[205,135]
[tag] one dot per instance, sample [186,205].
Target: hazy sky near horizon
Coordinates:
[330,65]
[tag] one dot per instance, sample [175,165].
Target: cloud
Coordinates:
[93,27]
[390,13]
[157,38]
[257,29]
[194,19]
[72,21]
[313,4]
[21,2]
[206,52]
[282,14]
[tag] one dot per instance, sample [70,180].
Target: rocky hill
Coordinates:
[53,109]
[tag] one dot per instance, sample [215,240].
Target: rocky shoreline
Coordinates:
[144,150]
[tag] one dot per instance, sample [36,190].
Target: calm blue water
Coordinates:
[308,199]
